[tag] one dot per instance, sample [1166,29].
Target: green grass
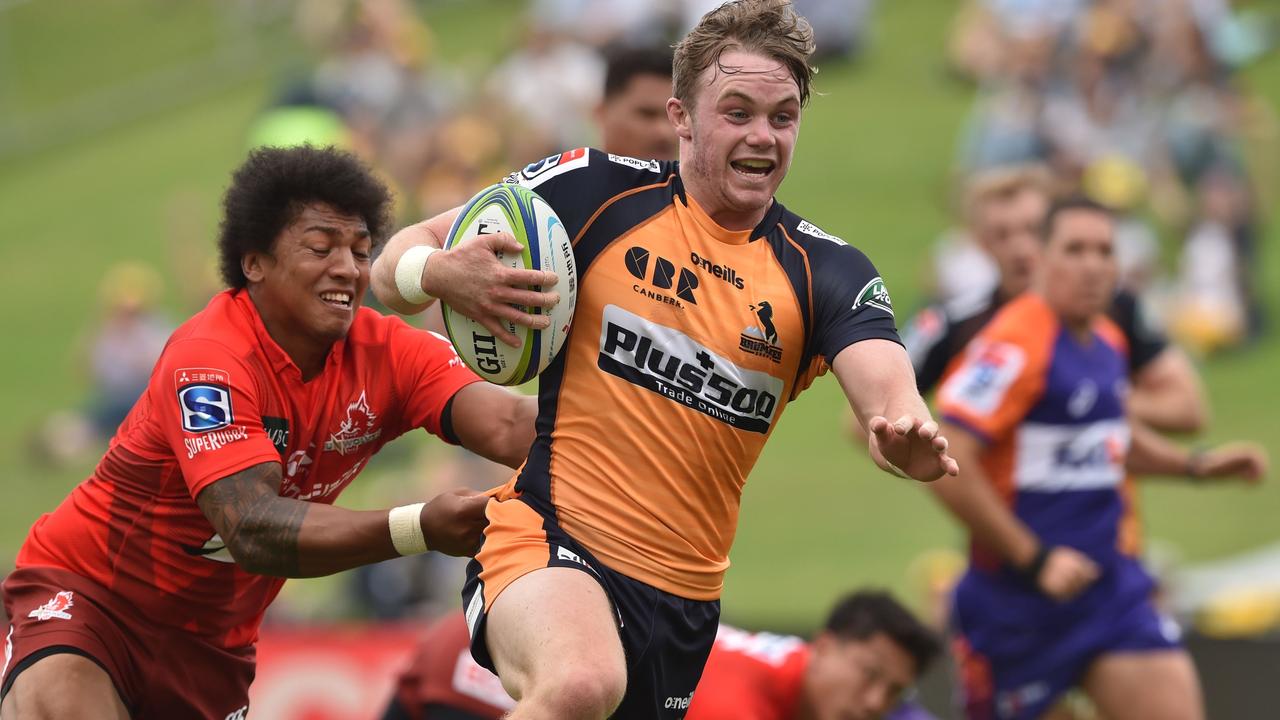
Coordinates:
[872,166]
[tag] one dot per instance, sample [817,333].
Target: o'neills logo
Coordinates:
[723,272]
[214,440]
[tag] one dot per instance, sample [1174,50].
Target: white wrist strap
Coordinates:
[405,523]
[409,273]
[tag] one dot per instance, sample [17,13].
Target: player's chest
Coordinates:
[325,431]
[730,300]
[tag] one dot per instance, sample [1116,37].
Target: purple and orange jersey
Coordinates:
[1050,408]
[688,341]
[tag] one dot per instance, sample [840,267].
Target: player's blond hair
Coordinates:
[769,27]
[1003,183]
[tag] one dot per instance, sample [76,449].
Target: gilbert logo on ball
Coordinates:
[527,217]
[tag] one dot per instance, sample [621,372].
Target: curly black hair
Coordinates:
[273,186]
[862,614]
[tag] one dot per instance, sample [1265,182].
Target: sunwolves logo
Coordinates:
[356,430]
[672,364]
[55,608]
[875,295]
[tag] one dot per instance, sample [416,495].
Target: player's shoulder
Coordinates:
[222,328]
[837,266]
[589,166]
[1025,320]
[765,649]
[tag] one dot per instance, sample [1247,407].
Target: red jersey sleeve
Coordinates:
[1002,373]
[750,676]
[428,372]
[207,404]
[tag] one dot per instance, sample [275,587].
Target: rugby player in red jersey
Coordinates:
[860,666]
[141,594]
[704,307]
[1055,596]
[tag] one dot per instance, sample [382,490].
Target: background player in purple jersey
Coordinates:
[1003,211]
[1054,596]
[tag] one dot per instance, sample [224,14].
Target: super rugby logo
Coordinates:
[671,364]
[534,174]
[204,399]
[56,607]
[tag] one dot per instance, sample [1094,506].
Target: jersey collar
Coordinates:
[279,360]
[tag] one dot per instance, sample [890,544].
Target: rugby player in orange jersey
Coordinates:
[1054,595]
[704,307]
[141,594]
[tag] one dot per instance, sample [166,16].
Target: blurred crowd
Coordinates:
[1139,104]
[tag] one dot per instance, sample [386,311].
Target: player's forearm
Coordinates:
[971,498]
[1152,454]
[383,274]
[271,535]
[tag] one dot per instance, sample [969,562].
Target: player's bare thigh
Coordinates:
[63,686]
[554,641]
[1152,685]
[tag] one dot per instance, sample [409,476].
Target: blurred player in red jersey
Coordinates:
[141,594]
[1055,596]
[704,307]
[867,656]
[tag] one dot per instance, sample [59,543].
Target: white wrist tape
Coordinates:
[405,523]
[409,273]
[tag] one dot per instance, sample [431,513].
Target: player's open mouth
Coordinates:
[756,168]
[337,299]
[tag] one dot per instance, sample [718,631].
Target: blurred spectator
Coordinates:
[549,85]
[122,349]
[126,343]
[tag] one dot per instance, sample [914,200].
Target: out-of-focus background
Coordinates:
[120,121]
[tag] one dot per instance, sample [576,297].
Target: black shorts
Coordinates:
[666,638]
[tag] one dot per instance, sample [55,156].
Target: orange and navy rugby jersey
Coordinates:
[688,341]
[222,398]
[1050,409]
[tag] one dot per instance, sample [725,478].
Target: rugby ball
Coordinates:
[526,216]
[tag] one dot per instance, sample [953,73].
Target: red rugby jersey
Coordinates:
[750,676]
[224,397]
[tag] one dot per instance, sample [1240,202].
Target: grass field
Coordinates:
[871,166]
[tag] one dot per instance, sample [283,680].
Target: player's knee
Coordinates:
[583,693]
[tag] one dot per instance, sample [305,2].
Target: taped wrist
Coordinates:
[405,523]
[409,271]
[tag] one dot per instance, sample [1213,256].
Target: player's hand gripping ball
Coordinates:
[520,212]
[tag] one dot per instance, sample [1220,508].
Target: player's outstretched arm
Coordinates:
[494,422]
[1152,454]
[1060,572]
[1168,395]
[468,277]
[903,438]
[272,535]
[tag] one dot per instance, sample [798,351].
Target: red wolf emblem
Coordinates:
[55,608]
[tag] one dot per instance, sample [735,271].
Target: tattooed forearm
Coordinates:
[261,529]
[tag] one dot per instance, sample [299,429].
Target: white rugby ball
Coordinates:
[526,216]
